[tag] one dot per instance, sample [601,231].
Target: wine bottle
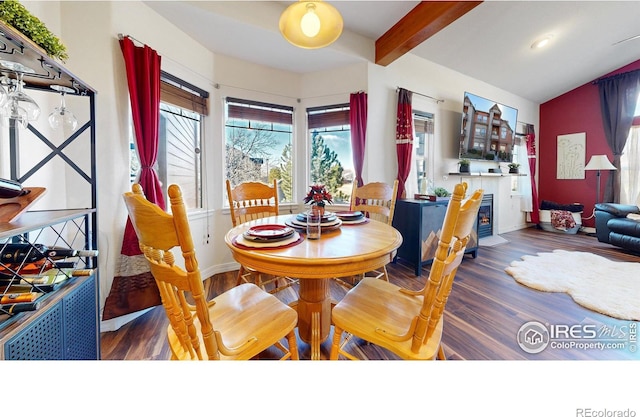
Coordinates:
[10,189]
[19,298]
[16,253]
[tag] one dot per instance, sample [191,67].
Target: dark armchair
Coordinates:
[613,226]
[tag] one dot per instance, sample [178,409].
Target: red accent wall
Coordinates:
[576,111]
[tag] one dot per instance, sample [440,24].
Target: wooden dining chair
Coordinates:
[250,201]
[377,200]
[237,324]
[409,323]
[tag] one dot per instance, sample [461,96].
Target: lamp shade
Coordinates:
[599,162]
[311,24]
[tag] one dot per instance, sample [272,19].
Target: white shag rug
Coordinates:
[594,282]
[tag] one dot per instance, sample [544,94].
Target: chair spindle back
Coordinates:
[456,231]
[252,200]
[158,232]
[376,199]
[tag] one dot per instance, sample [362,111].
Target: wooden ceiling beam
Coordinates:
[422,22]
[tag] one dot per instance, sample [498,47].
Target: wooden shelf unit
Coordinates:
[65,322]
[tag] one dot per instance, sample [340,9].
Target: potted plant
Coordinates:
[318,196]
[16,15]
[464,165]
[513,168]
[441,193]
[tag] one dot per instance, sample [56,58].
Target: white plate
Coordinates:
[269,231]
[253,244]
[349,215]
[358,221]
[297,222]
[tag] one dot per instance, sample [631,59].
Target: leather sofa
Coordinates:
[614,227]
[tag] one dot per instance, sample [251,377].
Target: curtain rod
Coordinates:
[189,69]
[614,76]
[121,37]
[437,100]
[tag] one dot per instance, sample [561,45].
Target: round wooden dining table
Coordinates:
[349,250]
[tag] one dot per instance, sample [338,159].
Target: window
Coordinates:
[423,145]
[182,109]
[258,144]
[519,150]
[331,156]
[630,163]
[179,153]
[503,132]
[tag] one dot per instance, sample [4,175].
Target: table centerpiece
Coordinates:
[318,196]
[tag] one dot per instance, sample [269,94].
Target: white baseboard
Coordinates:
[588,229]
[115,323]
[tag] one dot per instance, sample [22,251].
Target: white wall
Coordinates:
[90,32]
[90,29]
[431,79]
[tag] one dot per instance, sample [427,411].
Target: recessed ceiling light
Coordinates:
[542,42]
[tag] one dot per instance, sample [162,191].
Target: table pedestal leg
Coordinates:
[314,313]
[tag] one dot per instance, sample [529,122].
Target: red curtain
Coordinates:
[404,138]
[358,121]
[133,288]
[531,152]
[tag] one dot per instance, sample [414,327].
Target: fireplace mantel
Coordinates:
[507,204]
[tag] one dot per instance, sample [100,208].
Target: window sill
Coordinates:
[197,214]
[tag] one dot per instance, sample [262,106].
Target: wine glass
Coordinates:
[61,117]
[4,80]
[22,100]
[12,110]
[20,106]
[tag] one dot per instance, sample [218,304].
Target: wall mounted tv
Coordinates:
[488,129]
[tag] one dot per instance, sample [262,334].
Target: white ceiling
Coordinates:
[490,43]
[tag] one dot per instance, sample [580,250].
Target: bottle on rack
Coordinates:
[41,272]
[18,253]
[10,189]
[10,271]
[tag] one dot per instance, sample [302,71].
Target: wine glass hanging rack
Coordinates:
[17,48]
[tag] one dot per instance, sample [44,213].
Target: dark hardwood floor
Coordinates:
[485,310]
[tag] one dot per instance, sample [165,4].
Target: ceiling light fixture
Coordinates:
[542,42]
[311,24]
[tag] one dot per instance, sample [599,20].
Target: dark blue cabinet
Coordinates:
[64,327]
[420,222]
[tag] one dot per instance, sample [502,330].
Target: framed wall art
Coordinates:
[571,155]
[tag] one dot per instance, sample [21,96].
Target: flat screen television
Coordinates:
[487,130]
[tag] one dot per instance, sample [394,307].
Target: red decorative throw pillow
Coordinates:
[562,219]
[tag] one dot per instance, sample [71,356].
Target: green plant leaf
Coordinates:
[16,15]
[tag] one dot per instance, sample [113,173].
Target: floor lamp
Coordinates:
[599,163]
